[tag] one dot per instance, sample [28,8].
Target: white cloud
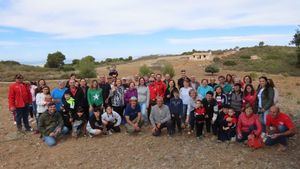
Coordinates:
[229,39]
[81,18]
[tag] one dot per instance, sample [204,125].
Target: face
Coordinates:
[52,109]
[142,82]
[262,82]
[159,102]
[48,98]
[109,110]
[225,110]
[118,82]
[82,82]
[96,113]
[95,84]
[247,79]
[151,80]
[176,94]
[167,77]
[73,77]
[193,78]
[72,83]
[249,89]
[209,97]
[228,78]
[236,88]
[212,80]
[204,82]
[230,112]
[102,79]
[19,79]
[132,86]
[45,90]
[67,96]
[193,94]
[274,112]
[221,80]
[219,90]
[158,77]
[171,84]
[133,103]
[42,83]
[183,73]
[186,84]
[79,114]
[61,85]
[77,84]
[198,104]
[248,111]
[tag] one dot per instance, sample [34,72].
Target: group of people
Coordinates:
[230,108]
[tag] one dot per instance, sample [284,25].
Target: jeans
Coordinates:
[51,141]
[111,126]
[263,119]
[144,112]
[175,120]
[280,139]
[22,115]
[184,113]
[192,120]
[246,134]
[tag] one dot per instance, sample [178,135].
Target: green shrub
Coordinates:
[229,63]
[253,76]
[212,69]
[144,70]
[245,57]
[168,69]
[217,59]
[67,68]
[87,69]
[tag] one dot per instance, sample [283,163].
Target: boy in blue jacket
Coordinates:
[176,110]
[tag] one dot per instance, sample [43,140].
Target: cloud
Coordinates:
[229,39]
[8,43]
[80,18]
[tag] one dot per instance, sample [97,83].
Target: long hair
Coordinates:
[266,91]
[252,90]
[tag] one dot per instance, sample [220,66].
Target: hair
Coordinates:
[158,74]
[198,100]
[80,109]
[250,78]
[210,93]
[131,83]
[72,74]
[98,109]
[218,86]
[17,76]
[182,70]
[266,91]
[33,83]
[186,80]
[204,80]
[271,82]
[47,88]
[173,82]
[239,85]
[92,84]
[142,78]
[231,78]
[223,77]
[38,82]
[193,90]
[252,90]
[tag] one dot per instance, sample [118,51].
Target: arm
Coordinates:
[129,121]
[60,120]
[270,99]
[11,98]
[118,117]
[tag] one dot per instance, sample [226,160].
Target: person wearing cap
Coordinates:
[133,116]
[248,123]
[58,93]
[160,117]
[19,97]
[51,125]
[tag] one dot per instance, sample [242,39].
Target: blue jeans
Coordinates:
[263,119]
[22,115]
[280,139]
[144,111]
[246,134]
[184,112]
[51,141]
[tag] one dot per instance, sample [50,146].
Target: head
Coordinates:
[67,95]
[167,77]
[133,101]
[204,82]
[209,95]
[136,77]
[218,89]
[199,104]
[77,84]
[152,75]
[131,85]
[193,78]
[72,83]
[231,112]
[221,79]
[61,84]
[186,82]
[159,101]
[124,80]
[118,82]
[274,111]
[73,76]
[193,93]
[237,87]
[109,79]
[97,111]
[247,79]
[212,80]
[19,78]
[46,90]
[183,73]
[102,79]
[51,108]
[94,84]
[158,77]
[41,82]
[249,90]
[109,110]
[248,110]
[80,111]
[229,78]
[151,80]
[48,98]
[172,83]
[83,82]
[176,93]
[225,109]
[142,81]
[263,81]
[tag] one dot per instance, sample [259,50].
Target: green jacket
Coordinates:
[267,99]
[48,123]
[95,97]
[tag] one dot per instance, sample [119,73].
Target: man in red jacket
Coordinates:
[19,98]
[160,86]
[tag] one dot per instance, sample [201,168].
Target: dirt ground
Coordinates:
[143,150]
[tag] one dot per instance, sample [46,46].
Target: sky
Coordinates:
[30,29]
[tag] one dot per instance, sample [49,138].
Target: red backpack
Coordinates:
[255,141]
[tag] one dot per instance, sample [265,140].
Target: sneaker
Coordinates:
[29,129]
[233,139]
[90,135]
[199,137]
[109,132]
[15,123]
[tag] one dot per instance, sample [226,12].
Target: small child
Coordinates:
[111,120]
[228,126]
[79,122]
[94,126]
[199,118]
[176,110]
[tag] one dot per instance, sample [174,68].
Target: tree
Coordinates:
[212,69]
[87,68]
[89,58]
[261,43]
[144,70]
[129,58]
[296,41]
[168,69]
[75,61]
[55,60]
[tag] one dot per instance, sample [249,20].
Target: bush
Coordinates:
[212,69]
[229,63]
[67,68]
[87,69]
[144,70]
[253,76]
[217,59]
[168,69]
[245,57]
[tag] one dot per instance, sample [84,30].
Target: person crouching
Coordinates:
[111,120]
[78,122]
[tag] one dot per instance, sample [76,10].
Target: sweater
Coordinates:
[202,90]
[184,95]
[40,103]
[130,93]
[143,94]
[95,97]
[176,106]
[159,115]
[114,118]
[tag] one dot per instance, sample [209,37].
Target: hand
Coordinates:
[229,119]
[206,116]
[158,125]
[274,136]
[12,109]
[154,129]
[239,135]
[136,127]
[168,96]
[52,134]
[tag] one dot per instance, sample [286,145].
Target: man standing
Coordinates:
[133,116]
[19,97]
[105,90]
[51,125]
[183,76]
[160,86]
[279,128]
[160,117]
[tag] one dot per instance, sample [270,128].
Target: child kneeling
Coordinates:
[111,120]
[227,130]
[94,126]
[78,122]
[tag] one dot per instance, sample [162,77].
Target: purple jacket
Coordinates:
[129,93]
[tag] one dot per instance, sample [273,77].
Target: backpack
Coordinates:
[255,142]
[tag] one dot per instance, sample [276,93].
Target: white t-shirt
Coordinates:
[184,95]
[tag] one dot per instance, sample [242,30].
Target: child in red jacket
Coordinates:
[200,118]
[228,126]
